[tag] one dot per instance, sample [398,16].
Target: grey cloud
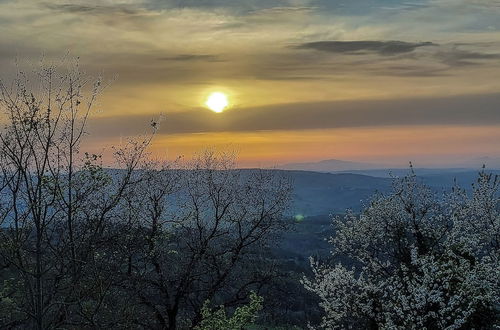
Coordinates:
[410,71]
[192,57]
[406,6]
[460,110]
[362,47]
[396,58]
[122,9]
[240,5]
[313,66]
[283,10]
[457,57]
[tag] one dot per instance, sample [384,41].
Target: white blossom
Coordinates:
[417,261]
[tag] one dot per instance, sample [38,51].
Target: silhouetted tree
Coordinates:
[58,205]
[202,228]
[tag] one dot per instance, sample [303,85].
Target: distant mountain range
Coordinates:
[330,165]
[380,170]
[490,162]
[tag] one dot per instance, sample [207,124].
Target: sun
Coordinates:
[217,102]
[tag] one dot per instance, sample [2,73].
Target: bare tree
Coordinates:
[57,203]
[203,231]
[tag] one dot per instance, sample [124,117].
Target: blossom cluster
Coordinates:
[416,260]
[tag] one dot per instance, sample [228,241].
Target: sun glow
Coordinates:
[217,102]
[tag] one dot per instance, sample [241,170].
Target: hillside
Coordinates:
[318,193]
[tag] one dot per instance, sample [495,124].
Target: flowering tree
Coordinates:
[418,261]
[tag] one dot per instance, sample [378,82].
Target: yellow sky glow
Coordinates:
[277,61]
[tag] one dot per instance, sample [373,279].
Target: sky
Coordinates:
[385,81]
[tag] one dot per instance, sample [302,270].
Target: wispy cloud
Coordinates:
[192,57]
[362,47]
[110,9]
[459,58]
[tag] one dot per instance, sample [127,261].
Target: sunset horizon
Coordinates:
[302,80]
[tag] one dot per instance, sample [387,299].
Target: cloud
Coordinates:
[246,45]
[457,57]
[485,3]
[236,7]
[362,47]
[192,57]
[406,6]
[459,110]
[283,10]
[405,70]
[121,9]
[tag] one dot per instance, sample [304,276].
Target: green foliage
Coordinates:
[242,317]
[93,171]
[10,294]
